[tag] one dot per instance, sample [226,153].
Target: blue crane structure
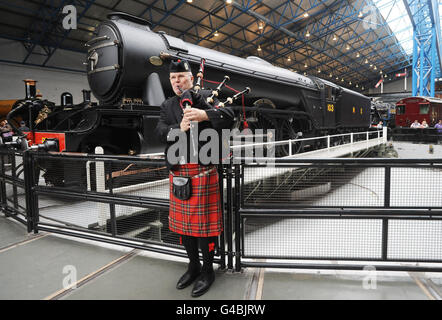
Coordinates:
[427,58]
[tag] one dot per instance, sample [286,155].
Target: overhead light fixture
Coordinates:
[319,70]
[380,72]
[366,61]
[189,1]
[306,15]
[357,85]
[216,34]
[349,83]
[358,55]
[305,73]
[228,1]
[305,66]
[307,34]
[342,80]
[331,75]
[360,14]
[260,25]
[289,59]
[371,65]
[259,48]
[348,48]
[375,68]
[362,88]
[334,38]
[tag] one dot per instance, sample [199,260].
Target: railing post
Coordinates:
[28,171]
[100,176]
[238,234]
[387,187]
[222,240]
[113,219]
[351,142]
[14,177]
[290,147]
[328,143]
[387,194]
[4,203]
[368,138]
[229,218]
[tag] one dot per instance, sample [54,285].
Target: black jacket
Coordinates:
[171,115]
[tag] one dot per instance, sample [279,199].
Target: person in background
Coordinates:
[424,124]
[23,126]
[6,131]
[415,125]
[380,125]
[438,126]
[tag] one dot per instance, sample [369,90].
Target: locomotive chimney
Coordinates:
[30,88]
[86,95]
[66,99]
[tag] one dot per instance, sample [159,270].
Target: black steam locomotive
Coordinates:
[127,69]
[127,61]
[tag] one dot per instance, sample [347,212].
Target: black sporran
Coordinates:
[182,187]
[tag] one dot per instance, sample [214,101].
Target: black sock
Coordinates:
[208,246]
[191,246]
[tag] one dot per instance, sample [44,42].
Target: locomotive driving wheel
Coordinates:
[255,131]
[286,131]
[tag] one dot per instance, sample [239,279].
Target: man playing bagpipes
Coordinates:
[195,204]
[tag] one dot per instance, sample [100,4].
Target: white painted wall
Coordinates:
[50,81]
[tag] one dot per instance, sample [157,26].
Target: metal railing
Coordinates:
[13,187]
[418,135]
[330,210]
[111,199]
[384,212]
[326,143]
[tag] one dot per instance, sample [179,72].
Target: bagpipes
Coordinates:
[187,100]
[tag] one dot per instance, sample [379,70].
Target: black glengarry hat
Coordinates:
[179,66]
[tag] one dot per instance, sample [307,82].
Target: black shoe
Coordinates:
[203,283]
[187,278]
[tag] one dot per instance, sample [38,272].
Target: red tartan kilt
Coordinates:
[201,214]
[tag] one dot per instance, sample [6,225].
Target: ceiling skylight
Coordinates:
[395,14]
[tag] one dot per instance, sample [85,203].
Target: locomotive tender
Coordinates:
[127,70]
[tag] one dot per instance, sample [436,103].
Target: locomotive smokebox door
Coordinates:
[118,58]
[103,64]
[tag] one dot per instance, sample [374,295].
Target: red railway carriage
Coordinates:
[418,108]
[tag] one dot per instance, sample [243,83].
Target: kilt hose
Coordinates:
[201,214]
